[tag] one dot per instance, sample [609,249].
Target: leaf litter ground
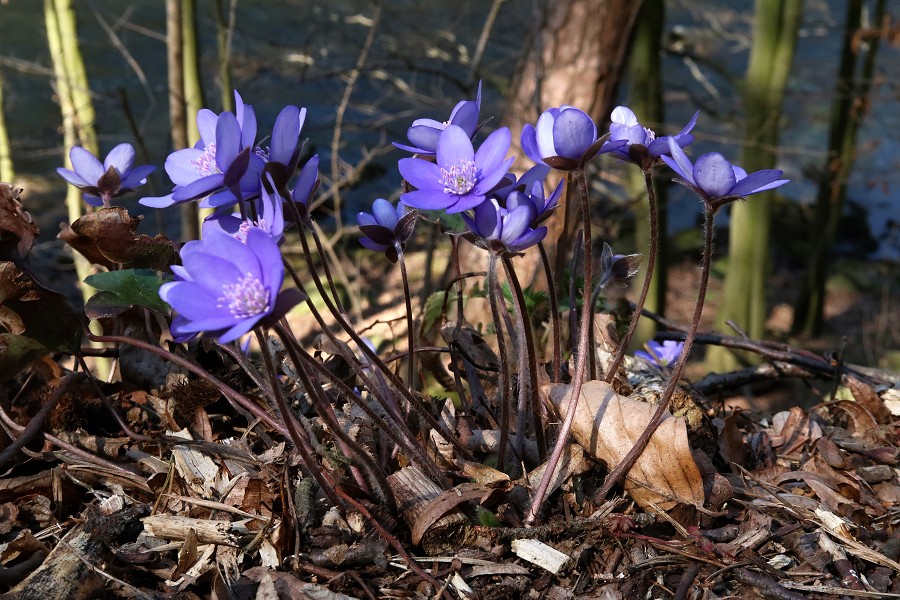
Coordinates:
[201,501]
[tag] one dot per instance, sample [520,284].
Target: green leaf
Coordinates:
[120,290]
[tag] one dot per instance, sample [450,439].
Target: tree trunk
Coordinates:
[744,299]
[851,102]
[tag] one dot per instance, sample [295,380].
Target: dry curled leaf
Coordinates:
[17,229]
[109,237]
[607,426]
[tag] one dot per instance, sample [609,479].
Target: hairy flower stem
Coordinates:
[307,222]
[619,472]
[648,276]
[580,362]
[289,420]
[554,311]
[373,357]
[497,301]
[347,445]
[528,368]
[399,433]
[410,323]
[381,392]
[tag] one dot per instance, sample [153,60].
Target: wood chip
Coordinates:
[540,554]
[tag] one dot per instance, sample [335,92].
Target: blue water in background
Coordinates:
[295,51]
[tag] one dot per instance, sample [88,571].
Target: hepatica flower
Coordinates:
[226,287]
[224,160]
[269,218]
[101,182]
[306,185]
[640,141]
[386,229]
[534,198]
[564,138]
[502,231]
[661,355]
[462,177]
[718,181]
[425,133]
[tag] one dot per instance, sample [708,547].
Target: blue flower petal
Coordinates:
[454,146]
[493,151]
[573,133]
[228,140]
[121,157]
[421,174]
[758,182]
[714,175]
[428,199]
[86,165]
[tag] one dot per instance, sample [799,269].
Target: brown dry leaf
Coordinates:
[867,397]
[860,422]
[109,237]
[607,426]
[792,429]
[17,228]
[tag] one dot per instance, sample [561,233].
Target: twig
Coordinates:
[342,108]
[37,421]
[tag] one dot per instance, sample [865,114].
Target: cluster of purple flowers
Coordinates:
[504,214]
[230,280]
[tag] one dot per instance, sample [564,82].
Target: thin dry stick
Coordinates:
[478,54]
[339,115]
[37,421]
[224,389]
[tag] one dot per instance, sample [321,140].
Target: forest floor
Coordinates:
[795,492]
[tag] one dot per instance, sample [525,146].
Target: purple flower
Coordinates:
[642,141]
[425,133]
[533,197]
[111,179]
[661,355]
[718,181]
[224,160]
[226,287]
[462,177]
[386,229]
[503,231]
[565,138]
[269,218]
[306,185]
[284,147]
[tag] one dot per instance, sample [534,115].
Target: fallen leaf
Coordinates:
[17,229]
[607,426]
